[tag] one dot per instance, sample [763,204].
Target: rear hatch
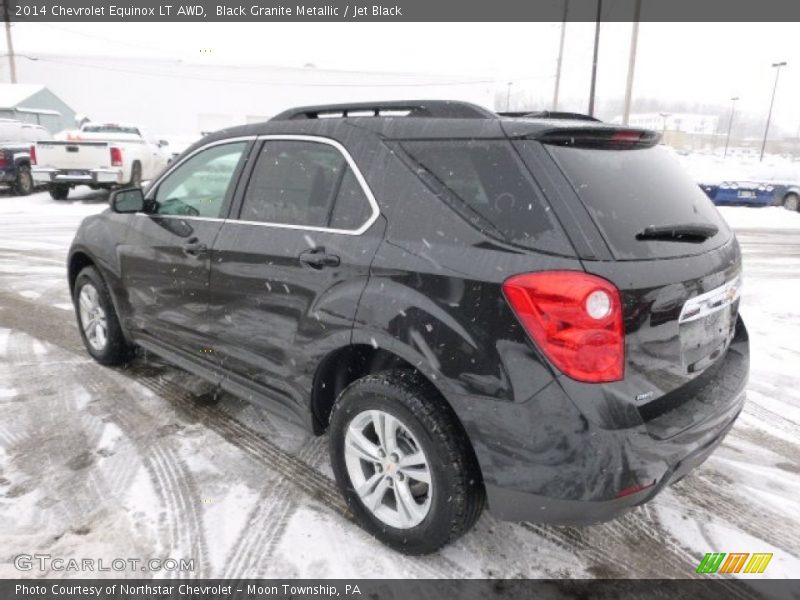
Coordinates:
[669,252]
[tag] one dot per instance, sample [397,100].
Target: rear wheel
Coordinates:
[136,175]
[791,202]
[403,462]
[23,185]
[59,191]
[97,319]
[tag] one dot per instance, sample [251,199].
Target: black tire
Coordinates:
[23,186]
[59,191]
[791,202]
[457,496]
[136,175]
[117,350]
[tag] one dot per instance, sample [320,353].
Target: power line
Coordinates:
[101,38]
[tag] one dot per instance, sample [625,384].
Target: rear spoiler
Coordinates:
[550,114]
[608,138]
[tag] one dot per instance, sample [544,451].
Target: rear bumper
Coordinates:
[514,505]
[43,175]
[543,461]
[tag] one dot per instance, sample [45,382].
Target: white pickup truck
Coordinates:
[100,155]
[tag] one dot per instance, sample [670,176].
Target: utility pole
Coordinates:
[730,125]
[664,116]
[508,96]
[626,111]
[12,66]
[560,55]
[594,58]
[777,66]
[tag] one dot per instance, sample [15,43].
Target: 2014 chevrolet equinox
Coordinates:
[538,312]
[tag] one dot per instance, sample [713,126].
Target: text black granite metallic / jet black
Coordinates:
[538,312]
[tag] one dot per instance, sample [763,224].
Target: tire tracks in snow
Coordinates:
[288,466]
[167,471]
[49,324]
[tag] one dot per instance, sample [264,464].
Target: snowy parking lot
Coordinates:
[140,462]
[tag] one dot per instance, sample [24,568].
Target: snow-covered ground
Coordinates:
[106,463]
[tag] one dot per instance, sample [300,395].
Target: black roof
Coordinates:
[411,119]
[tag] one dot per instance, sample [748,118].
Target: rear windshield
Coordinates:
[626,191]
[487,184]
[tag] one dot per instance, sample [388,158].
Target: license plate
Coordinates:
[705,339]
[747,194]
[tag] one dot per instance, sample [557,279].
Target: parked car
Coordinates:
[538,313]
[100,155]
[764,185]
[15,161]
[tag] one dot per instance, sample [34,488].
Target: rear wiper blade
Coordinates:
[688,232]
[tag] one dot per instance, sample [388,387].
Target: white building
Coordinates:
[696,123]
[175,97]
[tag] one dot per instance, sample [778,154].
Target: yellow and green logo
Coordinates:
[720,562]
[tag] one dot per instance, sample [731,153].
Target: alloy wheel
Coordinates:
[388,469]
[93,317]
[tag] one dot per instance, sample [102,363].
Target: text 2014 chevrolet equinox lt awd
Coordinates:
[534,312]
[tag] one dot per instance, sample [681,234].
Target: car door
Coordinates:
[166,256]
[286,275]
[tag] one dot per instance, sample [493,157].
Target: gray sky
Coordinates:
[696,62]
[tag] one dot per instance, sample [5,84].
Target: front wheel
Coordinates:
[791,202]
[59,192]
[404,463]
[97,319]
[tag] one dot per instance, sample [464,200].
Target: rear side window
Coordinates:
[487,184]
[304,184]
[626,191]
[352,209]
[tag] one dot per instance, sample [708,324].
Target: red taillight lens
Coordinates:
[626,136]
[33,155]
[116,157]
[3,159]
[575,319]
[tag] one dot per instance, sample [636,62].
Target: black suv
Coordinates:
[538,313]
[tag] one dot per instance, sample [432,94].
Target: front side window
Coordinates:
[199,186]
[304,184]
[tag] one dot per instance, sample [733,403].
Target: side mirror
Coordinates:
[162,143]
[130,200]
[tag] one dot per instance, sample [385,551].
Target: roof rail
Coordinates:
[550,114]
[438,109]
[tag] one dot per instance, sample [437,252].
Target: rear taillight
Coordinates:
[3,160]
[33,155]
[116,157]
[575,319]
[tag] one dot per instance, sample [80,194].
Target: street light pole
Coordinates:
[12,65]
[508,96]
[777,66]
[730,125]
[626,111]
[560,55]
[594,57]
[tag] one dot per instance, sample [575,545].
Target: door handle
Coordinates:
[317,258]
[194,247]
